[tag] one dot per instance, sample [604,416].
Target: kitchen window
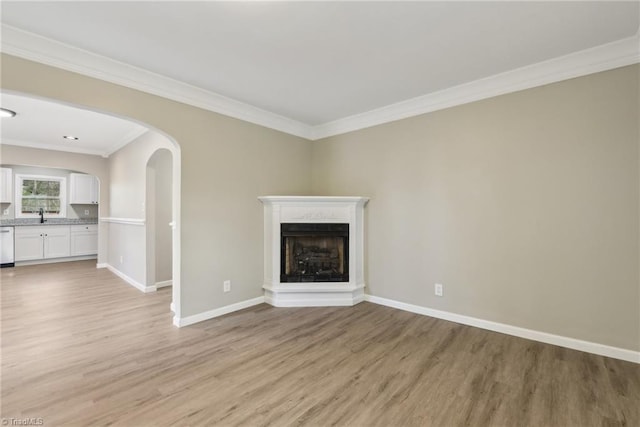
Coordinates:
[35,192]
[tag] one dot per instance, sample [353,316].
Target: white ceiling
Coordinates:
[43,124]
[296,65]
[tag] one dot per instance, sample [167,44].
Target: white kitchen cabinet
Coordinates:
[84,239]
[84,189]
[57,240]
[6,185]
[33,242]
[29,243]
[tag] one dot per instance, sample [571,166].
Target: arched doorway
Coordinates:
[159,219]
[125,222]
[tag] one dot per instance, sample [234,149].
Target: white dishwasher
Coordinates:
[6,247]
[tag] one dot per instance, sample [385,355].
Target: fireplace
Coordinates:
[312,252]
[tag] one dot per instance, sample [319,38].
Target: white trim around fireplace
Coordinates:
[313,209]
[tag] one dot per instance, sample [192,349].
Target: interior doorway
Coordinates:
[159,219]
[120,169]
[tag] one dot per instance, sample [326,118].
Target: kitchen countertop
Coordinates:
[20,222]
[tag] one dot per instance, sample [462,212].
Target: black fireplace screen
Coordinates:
[314,253]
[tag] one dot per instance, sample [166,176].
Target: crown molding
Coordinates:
[600,58]
[134,134]
[53,147]
[50,52]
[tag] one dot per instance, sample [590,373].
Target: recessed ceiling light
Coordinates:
[6,113]
[73,138]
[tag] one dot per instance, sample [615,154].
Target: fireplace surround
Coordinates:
[313,250]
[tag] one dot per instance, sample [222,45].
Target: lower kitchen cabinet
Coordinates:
[56,242]
[33,242]
[29,243]
[84,239]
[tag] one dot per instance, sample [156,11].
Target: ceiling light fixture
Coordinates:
[6,113]
[73,138]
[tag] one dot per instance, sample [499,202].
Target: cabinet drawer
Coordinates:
[84,228]
[30,230]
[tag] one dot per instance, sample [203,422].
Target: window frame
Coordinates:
[19,178]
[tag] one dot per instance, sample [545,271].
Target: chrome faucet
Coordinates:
[41,213]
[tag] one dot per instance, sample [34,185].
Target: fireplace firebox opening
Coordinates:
[315,252]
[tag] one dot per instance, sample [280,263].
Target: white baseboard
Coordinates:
[164,284]
[210,314]
[572,343]
[129,280]
[172,307]
[55,260]
[102,265]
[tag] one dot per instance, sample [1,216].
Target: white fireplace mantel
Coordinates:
[313,209]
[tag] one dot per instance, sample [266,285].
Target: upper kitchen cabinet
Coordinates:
[83,189]
[6,185]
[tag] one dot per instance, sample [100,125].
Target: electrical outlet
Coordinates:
[121,259]
[226,286]
[86,212]
[438,289]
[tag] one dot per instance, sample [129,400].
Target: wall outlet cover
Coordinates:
[438,289]
[226,286]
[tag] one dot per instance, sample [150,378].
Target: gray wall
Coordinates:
[133,194]
[128,189]
[525,207]
[226,165]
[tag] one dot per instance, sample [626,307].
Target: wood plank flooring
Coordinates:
[81,347]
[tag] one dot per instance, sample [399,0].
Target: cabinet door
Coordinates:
[28,246]
[6,185]
[83,189]
[57,242]
[84,243]
[95,190]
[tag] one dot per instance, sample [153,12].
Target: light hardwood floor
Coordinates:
[81,347]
